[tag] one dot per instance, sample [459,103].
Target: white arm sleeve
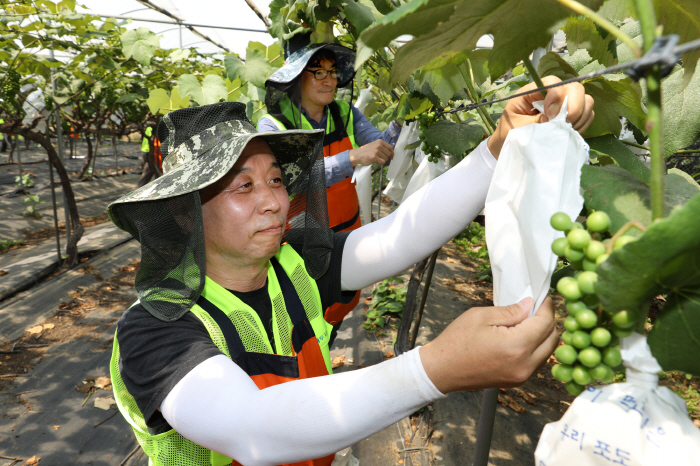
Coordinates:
[425,221]
[218,406]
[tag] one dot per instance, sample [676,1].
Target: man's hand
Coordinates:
[519,111]
[375,152]
[491,347]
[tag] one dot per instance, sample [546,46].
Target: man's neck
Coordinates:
[248,278]
[315,112]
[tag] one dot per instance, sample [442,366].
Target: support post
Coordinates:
[485,428]
[61,154]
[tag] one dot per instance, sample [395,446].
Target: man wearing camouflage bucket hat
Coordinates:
[224,359]
[301,94]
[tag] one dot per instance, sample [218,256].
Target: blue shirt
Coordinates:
[338,167]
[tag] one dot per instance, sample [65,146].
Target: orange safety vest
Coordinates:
[156,153]
[268,370]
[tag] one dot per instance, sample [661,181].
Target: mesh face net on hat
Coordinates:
[200,145]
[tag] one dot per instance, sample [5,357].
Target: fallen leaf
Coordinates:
[540,376]
[696,422]
[56,427]
[36,329]
[515,406]
[105,383]
[85,387]
[74,294]
[3,272]
[450,260]
[48,326]
[34,460]
[389,354]
[63,306]
[104,403]
[338,361]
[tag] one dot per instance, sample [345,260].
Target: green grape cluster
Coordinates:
[590,351]
[11,85]
[425,120]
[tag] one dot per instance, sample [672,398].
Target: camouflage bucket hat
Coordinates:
[205,157]
[297,61]
[200,145]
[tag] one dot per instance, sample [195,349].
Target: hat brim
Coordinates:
[295,150]
[297,62]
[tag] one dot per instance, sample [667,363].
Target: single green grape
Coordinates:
[601,337]
[562,372]
[587,319]
[602,258]
[575,306]
[568,287]
[612,357]
[624,319]
[586,282]
[558,246]
[598,221]
[574,388]
[573,255]
[571,324]
[622,241]
[575,226]
[567,337]
[602,373]
[594,250]
[589,266]
[560,221]
[580,340]
[578,239]
[581,375]
[566,354]
[590,357]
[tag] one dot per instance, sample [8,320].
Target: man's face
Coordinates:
[245,212]
[318,92]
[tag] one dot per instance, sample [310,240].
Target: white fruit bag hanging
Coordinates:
[538,174]
[635,423]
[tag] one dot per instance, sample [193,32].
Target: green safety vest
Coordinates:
[172,449]
[291,114]
[144,142]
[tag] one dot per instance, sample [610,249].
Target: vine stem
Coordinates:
[634,144]
[647,20]
[533,73]
[471,90]
[625,228]
[605,24]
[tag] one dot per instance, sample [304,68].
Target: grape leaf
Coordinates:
[618,9]
[210,91]
[681,17]
[625,198]
[674,340]
[159,101]
[445,82]
[612,147]
[358,14]
[583,34]
[140,44]
[680,103]
[256,69]
[454,138]
[441,26]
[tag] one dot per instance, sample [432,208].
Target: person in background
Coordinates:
[301,95]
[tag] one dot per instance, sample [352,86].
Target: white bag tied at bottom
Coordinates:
[538,174]
[636,423]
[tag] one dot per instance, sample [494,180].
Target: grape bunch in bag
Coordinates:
[591,340]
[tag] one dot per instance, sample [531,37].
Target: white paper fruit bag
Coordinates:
[636,423]
[538,174]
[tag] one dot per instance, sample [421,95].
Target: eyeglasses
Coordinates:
[321,74]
